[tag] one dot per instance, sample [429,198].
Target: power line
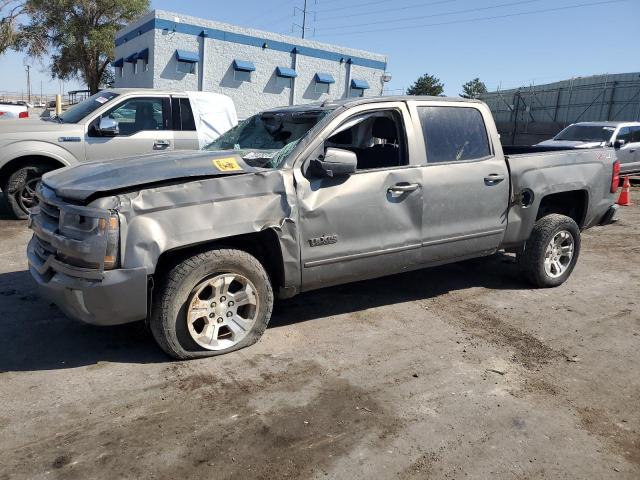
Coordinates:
[276,21]
[470,20]
[384,10]
[264,12]
[357,5]
[305,12]
[443,14]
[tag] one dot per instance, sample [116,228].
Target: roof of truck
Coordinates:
[351,102]
[608,123]
[148,90]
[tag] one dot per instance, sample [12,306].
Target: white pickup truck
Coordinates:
[111,124]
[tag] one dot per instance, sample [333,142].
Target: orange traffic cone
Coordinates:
[625,199]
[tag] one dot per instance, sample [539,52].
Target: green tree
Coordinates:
[473,89]
[10,11]
[78,35]
[426,85]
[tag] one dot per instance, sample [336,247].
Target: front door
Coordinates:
[368,223]
[144,127]
[466,185]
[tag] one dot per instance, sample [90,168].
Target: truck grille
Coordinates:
[66,237]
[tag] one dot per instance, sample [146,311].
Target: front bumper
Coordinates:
[119,297]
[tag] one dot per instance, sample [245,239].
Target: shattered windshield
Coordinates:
[586,133]
[266,139]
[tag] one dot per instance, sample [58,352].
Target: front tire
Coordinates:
[20,189]
[551,252]
[211,303]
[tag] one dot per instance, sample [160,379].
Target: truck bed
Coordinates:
[537,172]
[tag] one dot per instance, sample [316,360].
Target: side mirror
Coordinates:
[336,162]
[618,144]
[108,127]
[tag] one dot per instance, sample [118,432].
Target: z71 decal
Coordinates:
[323,240]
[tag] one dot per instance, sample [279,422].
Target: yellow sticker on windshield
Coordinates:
[229,164]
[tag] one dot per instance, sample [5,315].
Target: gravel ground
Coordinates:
[460,371]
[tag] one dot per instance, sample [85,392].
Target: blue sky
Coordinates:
[446,38]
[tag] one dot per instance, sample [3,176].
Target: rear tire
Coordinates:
[551,252]
[193,313]
[19,189]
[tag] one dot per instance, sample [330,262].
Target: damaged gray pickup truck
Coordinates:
[299,198]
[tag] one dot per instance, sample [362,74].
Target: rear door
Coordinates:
[465,181]
[184,125]
[145,127]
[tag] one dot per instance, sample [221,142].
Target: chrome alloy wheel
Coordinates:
[222,311]
[559,254]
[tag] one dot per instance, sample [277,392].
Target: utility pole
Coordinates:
[28,68]
[305,12]
[304,19]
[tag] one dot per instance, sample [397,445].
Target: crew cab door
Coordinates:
[367,223]
[465,181]
[144,127]
[184,125]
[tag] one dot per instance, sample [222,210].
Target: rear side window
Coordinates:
[635,134]
[187,122]
[453,134]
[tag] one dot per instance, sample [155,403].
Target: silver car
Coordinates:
[623,136]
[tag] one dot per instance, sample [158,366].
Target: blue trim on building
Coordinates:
[361,84]
[131,58]
[325,78]
[285,72]
[118,63]
[244,66]
[190,57]
[216,34]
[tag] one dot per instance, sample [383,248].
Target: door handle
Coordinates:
[493,179]
[403,188]
[161,144]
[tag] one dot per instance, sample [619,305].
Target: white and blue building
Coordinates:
[257,69]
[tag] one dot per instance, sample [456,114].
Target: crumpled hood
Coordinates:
[570,144]
[82,181]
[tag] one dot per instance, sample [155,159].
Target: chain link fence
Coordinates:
[528,115]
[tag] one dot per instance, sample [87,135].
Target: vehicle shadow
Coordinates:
[35,335]
[497,272]
[4,214]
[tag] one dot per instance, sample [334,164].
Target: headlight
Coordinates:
[111,228]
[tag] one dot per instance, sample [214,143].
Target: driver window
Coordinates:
[624,134]
[377,138]
[137,115]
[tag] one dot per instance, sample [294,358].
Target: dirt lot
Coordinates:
[455,372]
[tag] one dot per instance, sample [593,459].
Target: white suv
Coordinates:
[623,136]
